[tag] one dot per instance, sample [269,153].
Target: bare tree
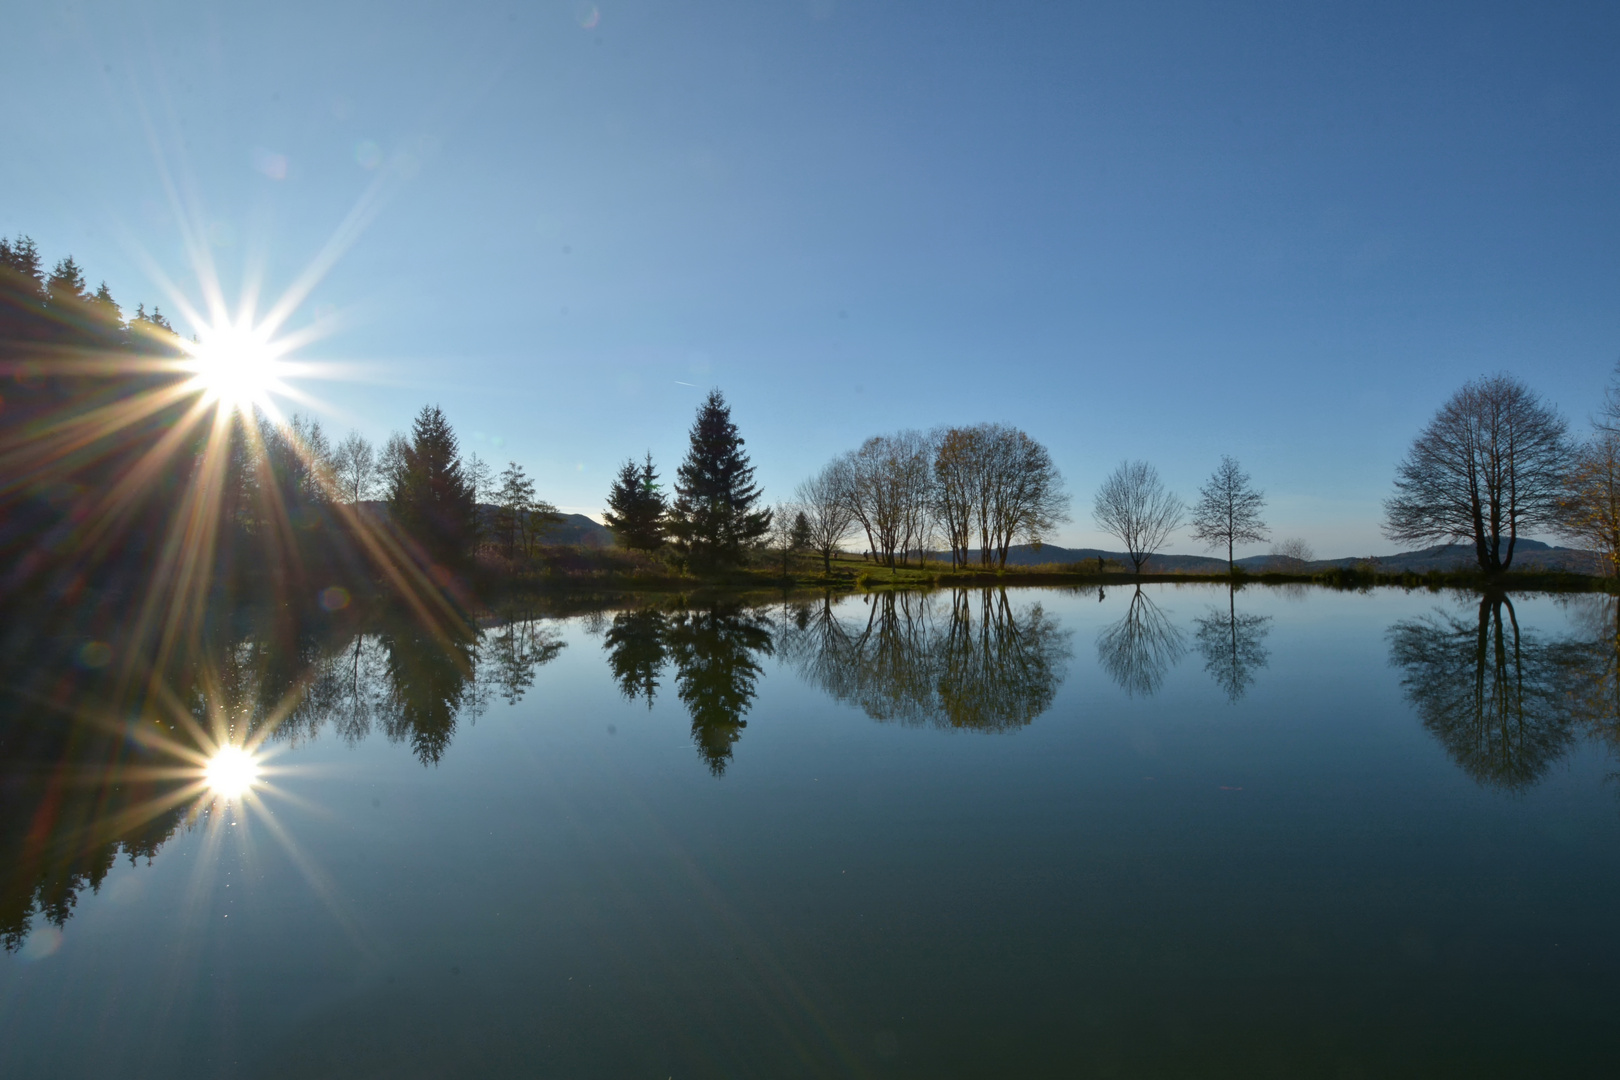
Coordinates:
[958,465]
[911,461]
[1589,511]
[392,462]
[826,504]
[877,493]
[1141,648]
[997,481]
[779,538]
[1290,554]
[514,498]
[1489,466]
[1134,505]
[1228,510]
[355,468]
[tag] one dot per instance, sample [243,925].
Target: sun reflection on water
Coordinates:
[232,772]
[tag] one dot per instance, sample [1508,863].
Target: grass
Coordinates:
[615,572]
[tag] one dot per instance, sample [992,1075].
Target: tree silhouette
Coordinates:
[1495,696]
[1489,466]
[1233,646]
[430,670]
[430,495]
[637,652]
[716,674]
[1134,505]
[978,664]
[636,508]
[509,654]
[1228,510]
[713,521]
[1139,650]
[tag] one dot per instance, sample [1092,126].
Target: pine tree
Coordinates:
[66,283]
[636,507]
[713,522]
[429,494]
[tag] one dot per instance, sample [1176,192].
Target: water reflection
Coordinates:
[1233,646]
[966,659]
[1495,695]
[100,767]
[716,652]
[637,652]
[1140,649]
[716,673]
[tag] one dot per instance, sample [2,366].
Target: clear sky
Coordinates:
[1281,231]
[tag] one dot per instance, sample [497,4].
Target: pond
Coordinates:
[1171,831]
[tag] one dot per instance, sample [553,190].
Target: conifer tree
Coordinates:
[429,493]
[636,507]
[713,522]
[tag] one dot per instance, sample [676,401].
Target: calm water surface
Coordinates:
[1171,832]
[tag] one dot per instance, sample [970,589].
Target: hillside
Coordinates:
[573,529]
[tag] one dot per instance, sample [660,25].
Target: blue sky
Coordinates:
[1281,231]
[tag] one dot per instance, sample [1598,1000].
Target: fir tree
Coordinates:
[713,522]
[801,532]
[636,507]
[430,495]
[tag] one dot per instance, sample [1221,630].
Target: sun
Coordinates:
[231,772]
[237,366]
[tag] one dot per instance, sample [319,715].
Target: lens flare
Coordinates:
[231,772]
[234,365]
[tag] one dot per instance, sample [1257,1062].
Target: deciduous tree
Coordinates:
[354,466]
[1489,466]
[1134,505]
[826,506]
[1228,510]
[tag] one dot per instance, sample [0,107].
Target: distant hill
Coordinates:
[573,529]
[1527,555]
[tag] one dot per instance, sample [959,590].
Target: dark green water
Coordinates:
[1034,833]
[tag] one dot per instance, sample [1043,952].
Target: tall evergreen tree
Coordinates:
[430,495]
[713,522]
[636,507]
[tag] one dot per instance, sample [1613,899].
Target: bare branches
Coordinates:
[1589,510]
[354,465]
[1489,466]
[1228,510]
[825,501]
[997,481]
[1134,505]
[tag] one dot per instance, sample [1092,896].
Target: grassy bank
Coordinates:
[612,572]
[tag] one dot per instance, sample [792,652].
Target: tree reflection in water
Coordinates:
[966,660]
[637,652]
[81,790]
[1233,646]
[714,651]
[1141,648]
[716,673]
[1496,697]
